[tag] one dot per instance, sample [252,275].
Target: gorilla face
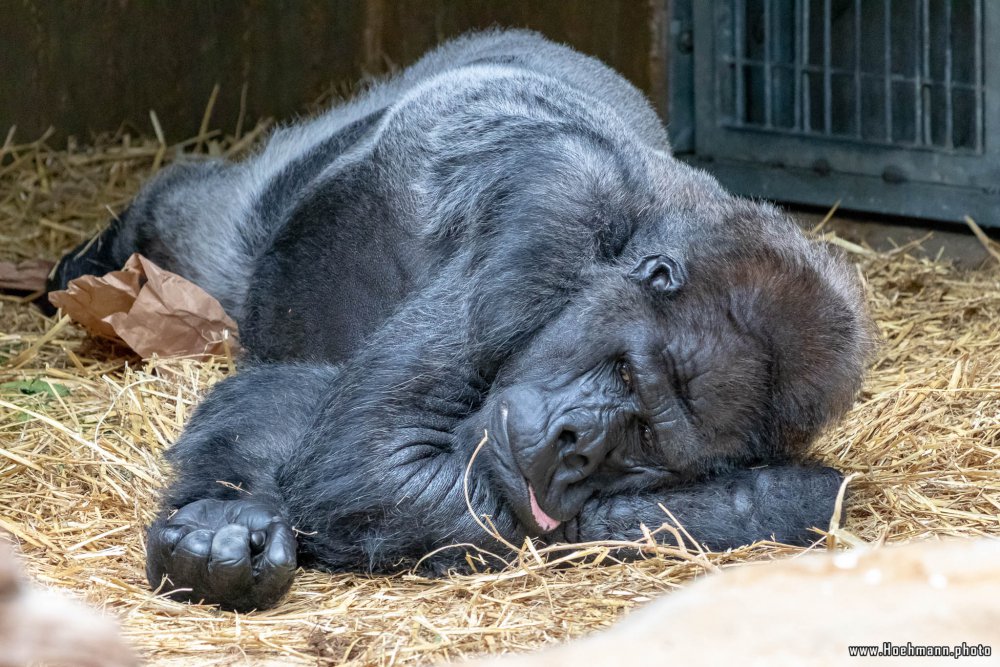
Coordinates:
[651,379]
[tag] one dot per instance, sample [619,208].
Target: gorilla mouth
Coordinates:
[544,521]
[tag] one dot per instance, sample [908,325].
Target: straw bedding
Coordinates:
[80,455]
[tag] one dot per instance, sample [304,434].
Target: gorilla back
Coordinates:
[496,240]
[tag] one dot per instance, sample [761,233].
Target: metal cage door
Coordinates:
[890,106]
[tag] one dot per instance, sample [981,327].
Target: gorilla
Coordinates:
[495,241]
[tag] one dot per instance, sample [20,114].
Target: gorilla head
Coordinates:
[667,369]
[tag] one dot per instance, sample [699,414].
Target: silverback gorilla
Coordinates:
[496,240]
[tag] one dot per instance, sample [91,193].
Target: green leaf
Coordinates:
[32,387]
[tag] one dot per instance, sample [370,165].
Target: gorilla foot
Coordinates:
[238,554]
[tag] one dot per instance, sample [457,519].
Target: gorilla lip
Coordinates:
[544,521]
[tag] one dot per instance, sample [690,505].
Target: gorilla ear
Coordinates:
[659,272]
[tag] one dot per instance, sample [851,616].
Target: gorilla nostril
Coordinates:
[566,438]
[572,459]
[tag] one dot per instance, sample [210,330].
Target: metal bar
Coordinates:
[827,87]
[719,50]
[918,104]
[857,69]
[977,28]
[739,46]
[797,85]
[768,90]
[806,88]
[887,37]
[949,121]
[925,73]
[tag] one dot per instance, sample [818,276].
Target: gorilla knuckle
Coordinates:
[196,544]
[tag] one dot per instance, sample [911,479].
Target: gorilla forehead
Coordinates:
[696,336]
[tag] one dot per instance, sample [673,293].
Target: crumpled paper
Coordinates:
[25,276]
[153,311]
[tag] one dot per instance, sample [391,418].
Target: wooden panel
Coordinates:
[623,33]
[86,67]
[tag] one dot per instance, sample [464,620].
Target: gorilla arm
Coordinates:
[364,462]
[377,483]
[368,468]
[223,535]
[780,503]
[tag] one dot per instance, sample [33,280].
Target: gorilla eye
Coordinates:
[625,373]
[647,438]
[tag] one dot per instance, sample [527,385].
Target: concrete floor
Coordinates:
[954,242]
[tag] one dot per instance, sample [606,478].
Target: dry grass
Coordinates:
[79,459]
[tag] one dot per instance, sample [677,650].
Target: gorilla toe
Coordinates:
[238,554]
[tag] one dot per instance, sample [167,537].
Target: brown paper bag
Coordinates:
[153,311]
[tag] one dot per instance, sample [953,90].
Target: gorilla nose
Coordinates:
[571,457]
[564,444]
[578,452]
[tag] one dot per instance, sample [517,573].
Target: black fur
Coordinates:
[497,240]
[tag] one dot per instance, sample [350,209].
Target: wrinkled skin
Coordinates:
[497,241]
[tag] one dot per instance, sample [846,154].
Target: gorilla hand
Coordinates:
[239,554]
[782,503]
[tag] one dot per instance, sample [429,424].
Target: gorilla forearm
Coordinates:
[782,503]
[377,481]
[252,468]
[245,429]
[223,535]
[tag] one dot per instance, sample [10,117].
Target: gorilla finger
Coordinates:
[229,566]
[230,546]
[281,547]
[197,544]
[188,566]
[274,569]
[258,539]
[160,543]
[171,534]
[161,538]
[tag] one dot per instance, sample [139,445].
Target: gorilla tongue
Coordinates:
[544,521]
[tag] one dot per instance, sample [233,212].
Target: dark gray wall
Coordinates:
[88,66]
